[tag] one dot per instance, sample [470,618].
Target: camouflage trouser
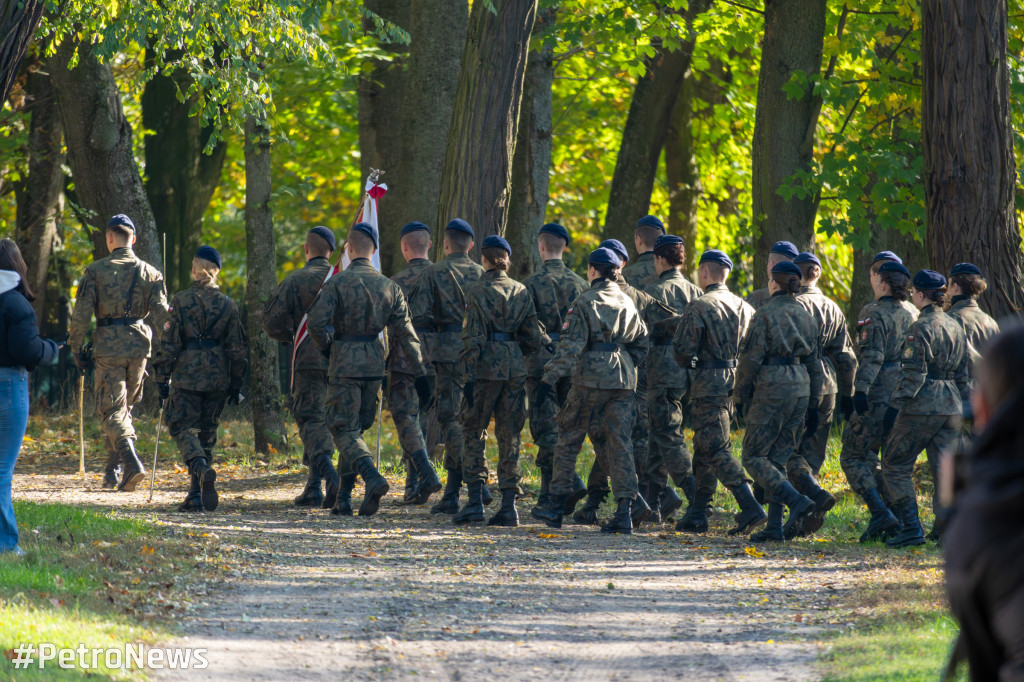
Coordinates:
[911,434]
[351,409]
[712,448]
[862,439]
[668,454]
[447,404]
[309,396]
[192,418]
[773,427]
[607,415]
[810,452]
[597,479]
[118,385]
[504,401]
[542,413]
[404,405]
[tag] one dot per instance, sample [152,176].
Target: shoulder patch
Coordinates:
[908,353]
[910,337]
[167,325]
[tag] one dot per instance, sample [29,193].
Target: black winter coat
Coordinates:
[20,343]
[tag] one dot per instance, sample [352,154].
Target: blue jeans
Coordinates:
[13,419]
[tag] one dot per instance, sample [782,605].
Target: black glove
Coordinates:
[543,391]
[811,420]
[425,390]
[889,420]
[846,407]
[467,393]
[860,403]
[163,390]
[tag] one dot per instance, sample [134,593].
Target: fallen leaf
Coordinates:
[754,552]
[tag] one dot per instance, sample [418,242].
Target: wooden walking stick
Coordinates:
[81,421]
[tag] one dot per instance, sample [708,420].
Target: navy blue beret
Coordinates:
[894,266]
[557,230]
[123,220]
[326,235]
[414,226]
[716,256]
[928,280]
[786,268]
[604,256]
[651,221]
[460,225]
[807,257]
[370,231]
[784,248]
[493,241]
[209,253]
[667,240]
[965,269]
[617,247]
[886,255]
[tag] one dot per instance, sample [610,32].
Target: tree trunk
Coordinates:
[180,178]
[532,160]
[681,171]
[18,22]
[784,128]
[647,124]
[477,174]
[261,269]
[99,143]
[969,168]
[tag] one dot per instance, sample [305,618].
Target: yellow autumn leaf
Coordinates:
[28,439]
[549,535]
[754,552]
[147,550]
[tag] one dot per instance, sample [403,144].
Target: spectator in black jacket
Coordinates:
[21,349]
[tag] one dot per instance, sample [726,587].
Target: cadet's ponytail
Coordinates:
[204,271]
[970,285]
[498,257]
[898,283]
[608,272]
[788,282]
[936,296]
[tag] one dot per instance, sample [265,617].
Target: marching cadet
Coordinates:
[346,320]
[839,365]
[203,355]
[966,284]
[281,319]
[642,272]
[603,342]
[410,422]
[438,300]
[121,291]
[780,252]
[553,288]
[925,409]
[501,323]
[778,383]
[707,343]
[881,328]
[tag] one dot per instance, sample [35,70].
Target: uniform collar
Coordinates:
[886,298]
[310,261]
[553,264]
[122,251]
[714,287]
[779,293]
[646,255]
[928,309]
[457,255]
[966,300]
[493,274]
[671,273]
[602,283]
[204,285]
[419,261]
[810,290]
[362,263]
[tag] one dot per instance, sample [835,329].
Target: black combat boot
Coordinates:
[621,521]
[311,495]
[343,505]
[883,523]
[800,508]
[134,472]
[412,480]
[653,498]
[449,502]
[206,476]
[939,527]
[193,501]
[376,486]
[587,514]
[579,491]
[487,498]
[689,486]
[551,514]
[823,502]
[506,516]
[110,470]
[669,503]
[545,486]
[772,531]
[910,532]
[428,483]
[325,467]
[695,520]
[473,510]
[751,514]
[639,510]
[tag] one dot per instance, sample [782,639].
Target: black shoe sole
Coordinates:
[620,531]
[504,522]
[814,522]
[130,482]
[588,518]
[547,522]
[698,528]
[443,507]
[207,491]
[751,525]
[371,500]
[338,512]
[468,520]
[423,495]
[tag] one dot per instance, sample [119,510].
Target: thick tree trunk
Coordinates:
[532,161]
[784,128]
[99,143]
[180,178]
[477,174]
[18,22]
[261,268]
[681,171]
[969,168]
[647,124]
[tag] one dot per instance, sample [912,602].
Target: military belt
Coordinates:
[889,364]
[605,346]
[661,341]
[713,364]
[355,338]
[502,336]
[555,336]
[454,327]
[118,321]
[941,376]
[424,330]
[201,344]
[781,360]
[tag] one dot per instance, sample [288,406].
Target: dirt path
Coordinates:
[405,594]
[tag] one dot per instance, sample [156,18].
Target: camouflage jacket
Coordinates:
[103,291]
[709,333]
[202,344]
[353,308]
[438,299]
[933,369]
[284,311]
[641,272]
[406,279]
[501,324]
[781,328]
[673,292]
[758,297]
[839,362]
[603,314]
[977,325]
[880,330]
[554,287]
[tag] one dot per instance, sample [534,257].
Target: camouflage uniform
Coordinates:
[501,322]
[758,297]
[881,326]
[775,389]
[978,326]
[203,350]
[553,288]
[603,342]
[641,273]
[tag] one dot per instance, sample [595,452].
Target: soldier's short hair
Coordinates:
[417,240]
[1002,364]
[498,256]
[716,270]
[458,240]
[360,242]
[970,284]
[317,245]
[123,232]
[648,235]
[551,242]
